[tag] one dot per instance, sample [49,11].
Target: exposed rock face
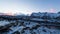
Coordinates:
[30,24]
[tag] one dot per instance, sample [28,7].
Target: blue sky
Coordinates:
[29,6]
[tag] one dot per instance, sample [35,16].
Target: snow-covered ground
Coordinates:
[2,23]
[29,28]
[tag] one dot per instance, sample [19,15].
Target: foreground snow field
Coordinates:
[28,28]
[30,25]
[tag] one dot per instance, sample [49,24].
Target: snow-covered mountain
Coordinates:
[51,15]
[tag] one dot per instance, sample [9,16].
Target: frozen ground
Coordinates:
[28,28]
[39,23]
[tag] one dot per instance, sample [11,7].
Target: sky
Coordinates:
[29,6]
